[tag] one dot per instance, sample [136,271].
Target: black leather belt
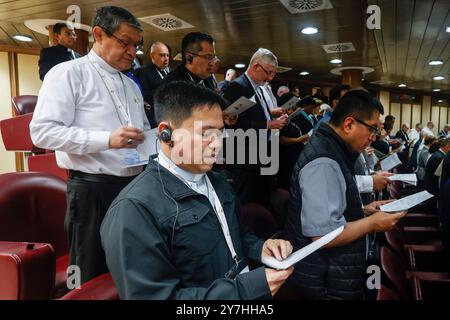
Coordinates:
[102,178]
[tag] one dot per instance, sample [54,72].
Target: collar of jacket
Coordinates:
[349,156]
[177,189]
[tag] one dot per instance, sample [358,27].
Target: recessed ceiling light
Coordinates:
[239,65]
[447,29]
[438,78]
[402,85]
[440,101]
[436,90]
[336,61]
[304,73]
[436,62]
[310,30]
[21,37]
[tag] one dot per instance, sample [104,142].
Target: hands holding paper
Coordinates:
[382,221]
[278,123]
[381,180]
[374,207]
[230,120]
[277,112]
[279,249]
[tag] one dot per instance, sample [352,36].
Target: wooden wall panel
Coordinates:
[406,115]
[435,118]
[396,112]
[385,101]
[416,115]
[426,110]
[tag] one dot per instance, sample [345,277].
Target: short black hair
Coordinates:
[356,103]
[335,92]
[389,118]
[191,43]
[307,101]
[175,100]
[57,28]
[110,18]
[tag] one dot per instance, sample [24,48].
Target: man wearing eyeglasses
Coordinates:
[250,185]
[325,197]
[93,117]
[199,58]
[51,56]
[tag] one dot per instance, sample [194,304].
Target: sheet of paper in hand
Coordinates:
[410,178]
[406,202]
[390,162]
[301,253]
[240,105]
[290,103]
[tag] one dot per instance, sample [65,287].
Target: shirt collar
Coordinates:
[253,83]
[172,167]
[102,63]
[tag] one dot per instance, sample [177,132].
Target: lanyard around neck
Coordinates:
[213,199]
[122,109]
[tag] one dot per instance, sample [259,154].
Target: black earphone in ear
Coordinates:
[166,135]
[189,58]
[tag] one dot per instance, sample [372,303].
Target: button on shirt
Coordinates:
[75,115]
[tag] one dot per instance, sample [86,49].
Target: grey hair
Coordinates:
[155,45]
[110,18]
[265,55]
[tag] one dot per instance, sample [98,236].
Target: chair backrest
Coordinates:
[32,208]
[259,220]
[394,271]
[24,104]
[47,163]
[384,293]
[397,244]
[279,199]
[99,288]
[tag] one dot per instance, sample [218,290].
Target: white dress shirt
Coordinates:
[414,136]
[75,115]
[427,131]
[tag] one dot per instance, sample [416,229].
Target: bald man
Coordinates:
[152,75]
[229,77]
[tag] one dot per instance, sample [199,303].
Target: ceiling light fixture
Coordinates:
[436,90]
[239,65]
[304,73]
[336,61]
[402,85]
[436,62]
[447,29]
[310,30]
[21,37]
[439,78]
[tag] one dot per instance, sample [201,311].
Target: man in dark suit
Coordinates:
[431,179]
[199,59]
[62,52]
[250,185]
[402,134]
[152,75]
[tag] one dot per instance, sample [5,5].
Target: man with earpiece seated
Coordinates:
[175,232]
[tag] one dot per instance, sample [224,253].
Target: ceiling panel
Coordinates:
[412,33]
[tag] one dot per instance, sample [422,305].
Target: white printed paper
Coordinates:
[301,253]
[240,105]
[406,202]
[290,104]
[390,162]
[310,133]
[410,178]
[148,147]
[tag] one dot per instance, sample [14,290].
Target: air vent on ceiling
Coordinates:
[302,6]
[383,82]
[338,47]
[283,69]
[166,22]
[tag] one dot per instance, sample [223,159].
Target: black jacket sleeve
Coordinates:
[141,264]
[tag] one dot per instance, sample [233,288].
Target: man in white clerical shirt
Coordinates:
[93,117]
